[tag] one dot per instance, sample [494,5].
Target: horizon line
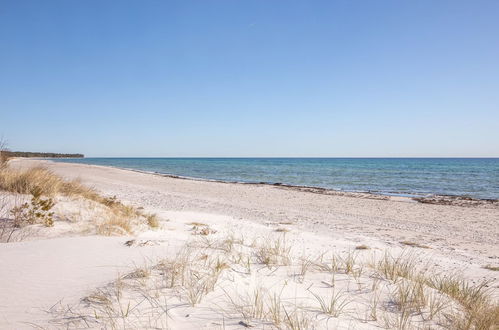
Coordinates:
[301,157]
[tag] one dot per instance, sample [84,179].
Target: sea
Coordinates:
[413,177]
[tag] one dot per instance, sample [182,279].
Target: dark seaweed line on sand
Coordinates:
[454,200]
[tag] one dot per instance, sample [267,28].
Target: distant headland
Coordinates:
[10,154]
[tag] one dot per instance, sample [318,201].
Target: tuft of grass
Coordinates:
[333,266]
[305,264]
[490,267]
[226,244]
[481,316]
[152,220]
[410,296]
[138,273]
[458,289]
[362,247]
[274,252]
[436,304]
[373,303]
[97,298]
[334,305]
[195,275]
[115,225]
[349,262]
[399,321]
[297,320]
[275,309]
[392,268]
[477,308]
[251,306]
[194,288]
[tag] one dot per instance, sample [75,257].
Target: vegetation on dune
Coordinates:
[3,155]
[46,183]
[37,211]
[49,184]
[44,187]
[391,292]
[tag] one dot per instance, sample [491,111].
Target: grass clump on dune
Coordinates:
[152,220]
[117,216]
[477,308]
[114,225]
[49,184]
[492,268]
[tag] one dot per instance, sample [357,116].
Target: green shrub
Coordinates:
[37,211]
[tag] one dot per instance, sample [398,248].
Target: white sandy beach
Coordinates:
[57,267]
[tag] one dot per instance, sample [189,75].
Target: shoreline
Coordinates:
[437,199]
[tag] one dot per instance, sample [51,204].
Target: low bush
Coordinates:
[37,211]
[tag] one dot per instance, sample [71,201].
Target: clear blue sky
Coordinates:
[251,78]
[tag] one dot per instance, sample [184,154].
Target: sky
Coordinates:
[255,78]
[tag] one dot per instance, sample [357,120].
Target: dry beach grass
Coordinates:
[388,292]
[115,218]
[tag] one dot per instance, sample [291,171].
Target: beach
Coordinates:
[234,165]
[64,267]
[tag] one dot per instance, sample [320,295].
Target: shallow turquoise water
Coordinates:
[474,177]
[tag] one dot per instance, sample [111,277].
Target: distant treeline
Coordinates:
[10,154]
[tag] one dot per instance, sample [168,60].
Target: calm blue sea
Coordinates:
[474,177]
